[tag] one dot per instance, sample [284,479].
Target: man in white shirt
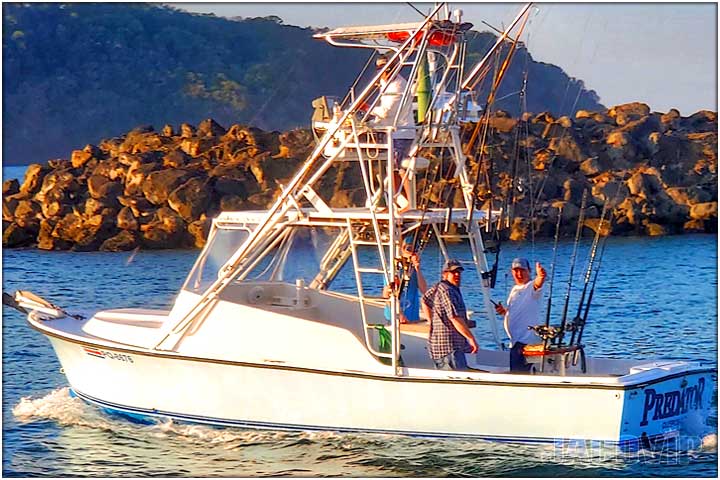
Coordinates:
[523,311]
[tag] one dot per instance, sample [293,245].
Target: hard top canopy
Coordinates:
[369,32]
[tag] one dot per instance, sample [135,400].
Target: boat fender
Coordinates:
[256,295]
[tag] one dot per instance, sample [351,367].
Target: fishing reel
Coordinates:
[546,332]
[576,325]
[489,277]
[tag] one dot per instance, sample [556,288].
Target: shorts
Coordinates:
[517,359]
[452,361]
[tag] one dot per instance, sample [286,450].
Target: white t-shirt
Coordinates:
[523,311]
[388,107]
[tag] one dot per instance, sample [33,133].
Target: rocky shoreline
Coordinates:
[154,190]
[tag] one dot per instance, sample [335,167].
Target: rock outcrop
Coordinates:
[148,189]
[151,189]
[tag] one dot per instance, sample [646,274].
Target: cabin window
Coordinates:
[222,244]
[300,254]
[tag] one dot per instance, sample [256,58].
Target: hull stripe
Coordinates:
[143,412]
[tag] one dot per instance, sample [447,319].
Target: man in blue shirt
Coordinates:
[415,286]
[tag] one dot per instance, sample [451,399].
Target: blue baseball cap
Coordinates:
[520,262]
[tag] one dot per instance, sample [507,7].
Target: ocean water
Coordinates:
[655,298]
[15,171]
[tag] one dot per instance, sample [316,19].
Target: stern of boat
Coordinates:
[671,398]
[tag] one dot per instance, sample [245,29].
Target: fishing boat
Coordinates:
[281,321]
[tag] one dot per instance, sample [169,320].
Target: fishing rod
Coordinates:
[588,272]
[446,195]
[581,220]
[582,324]
[420,240]
[485,125]
[417,238]
[552,268]
[547,333]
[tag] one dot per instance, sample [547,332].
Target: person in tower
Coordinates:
[389,106]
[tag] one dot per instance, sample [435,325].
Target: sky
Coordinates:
[662,54]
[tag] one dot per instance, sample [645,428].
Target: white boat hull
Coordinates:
[510,408]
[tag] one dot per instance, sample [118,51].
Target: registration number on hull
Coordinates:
[98,353]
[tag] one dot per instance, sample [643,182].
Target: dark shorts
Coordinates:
[517,359]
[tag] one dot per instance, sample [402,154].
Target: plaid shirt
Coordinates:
[445,301]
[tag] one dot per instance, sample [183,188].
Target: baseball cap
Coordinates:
[520,262]
[452,265]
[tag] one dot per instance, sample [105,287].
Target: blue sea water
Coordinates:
[15,171]
[656,298]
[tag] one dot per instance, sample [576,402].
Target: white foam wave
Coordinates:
[228,438]
[59,406]
[66,410]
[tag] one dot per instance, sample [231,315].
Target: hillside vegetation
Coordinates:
[77,73]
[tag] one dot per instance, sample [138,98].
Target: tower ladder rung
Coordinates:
[369,242]
[455,236]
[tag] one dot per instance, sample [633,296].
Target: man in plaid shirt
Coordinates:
[450,338]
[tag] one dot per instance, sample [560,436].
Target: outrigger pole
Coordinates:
[469,81]
[581,220]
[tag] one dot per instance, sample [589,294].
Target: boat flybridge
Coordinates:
[281,322]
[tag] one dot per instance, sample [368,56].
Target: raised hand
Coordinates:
[540,276]
[415,260]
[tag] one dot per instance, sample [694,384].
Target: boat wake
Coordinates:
[228,438]
[67,410]
[60,406]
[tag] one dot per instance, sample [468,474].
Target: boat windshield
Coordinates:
[221,245]
[304,253]
[300,252]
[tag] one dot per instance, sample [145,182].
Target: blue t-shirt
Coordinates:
[409,300]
